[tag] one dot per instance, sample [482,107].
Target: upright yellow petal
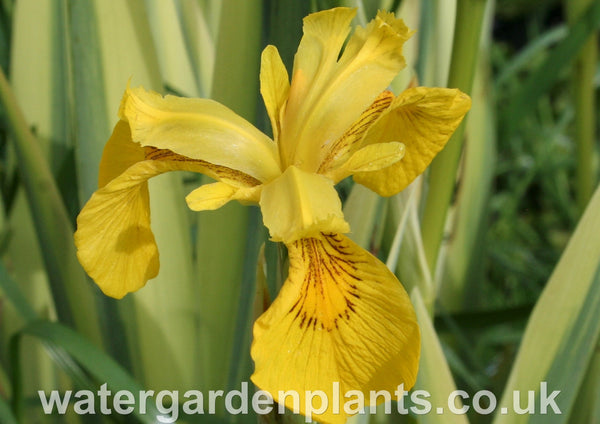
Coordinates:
[299,204]
[421,118]
[199,129]
[328,95]
[341,317]
[274,86]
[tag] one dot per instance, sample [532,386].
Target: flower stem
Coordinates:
[469,19]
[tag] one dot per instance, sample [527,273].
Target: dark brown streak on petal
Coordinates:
[329,282]
[217,172]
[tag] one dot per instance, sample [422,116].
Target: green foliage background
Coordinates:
[498,244]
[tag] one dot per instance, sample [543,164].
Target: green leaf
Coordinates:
[434,374]
[6,415]
[101,367]
[564,327]
[12,291]
[362,210]
[52,223]
[587,406]
[465,249]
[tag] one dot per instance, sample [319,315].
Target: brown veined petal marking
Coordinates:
[196,165]
[350,142]
[341,317]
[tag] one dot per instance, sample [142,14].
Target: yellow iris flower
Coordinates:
[341,315]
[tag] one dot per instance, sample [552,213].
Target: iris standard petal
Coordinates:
[341,316]
[274,86]
[299,204]
[327,96]
[199,129]
[421,118]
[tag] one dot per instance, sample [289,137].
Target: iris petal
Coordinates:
[370,158]
[213,196]
[341,316]
[421,118]
[199,129]
[300,204]
[115,244]
[274,86]
[328,95]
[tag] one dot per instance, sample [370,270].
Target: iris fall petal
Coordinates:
[421,118]
[341,316]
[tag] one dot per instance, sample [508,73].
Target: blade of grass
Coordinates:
[434,374]
[464,252]
[199,42]
[587,406]
[101,367]
[411,268]
[241,364]
[564,327]
[11,290]
[52,224]
[6,415]
[175,64]
[362,210]
[469,21]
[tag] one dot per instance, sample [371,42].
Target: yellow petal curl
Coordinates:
[213,196]
[200,129]
[299,204]
[327,95]
[421,118]
[370,158]
[341,316]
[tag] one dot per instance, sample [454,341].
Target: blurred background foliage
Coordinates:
[498,244]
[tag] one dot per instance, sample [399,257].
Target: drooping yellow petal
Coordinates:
[115,244]
[341,317]
[274,86]
[370,158]
[200,129]
[213,196]
[327,96]
[299,204]
[114,240]
[421,118]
